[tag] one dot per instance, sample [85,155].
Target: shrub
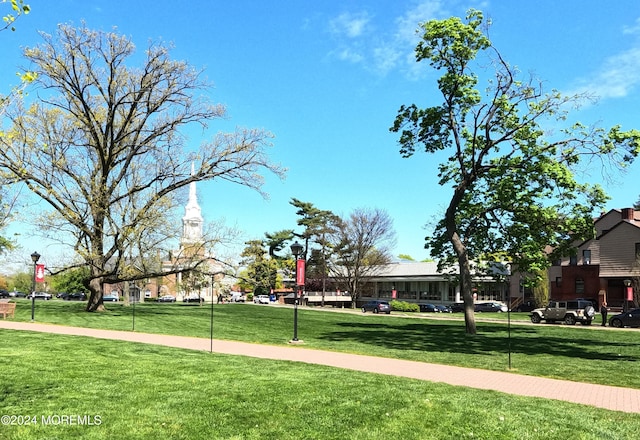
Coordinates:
[403,306]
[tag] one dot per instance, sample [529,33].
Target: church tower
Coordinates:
[192,221]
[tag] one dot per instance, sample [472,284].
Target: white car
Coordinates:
[261,299]
[40,295]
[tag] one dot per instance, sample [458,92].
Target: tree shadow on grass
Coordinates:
[429,336]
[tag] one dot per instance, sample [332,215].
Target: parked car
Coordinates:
[526,306]
[17,294]
[237,297]
[570,312]
[78,296]
[429,308]
[490,307]
[193,298]
[167,299]
[4,293]
[457,307]
[62,295]
[112,298]
[443,309]
[261,299]
[40,295]
[377,306]
[630,318]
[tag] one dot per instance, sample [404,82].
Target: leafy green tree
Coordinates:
[514,186]
[541,289]
[193,281]
[22,282]
[71,280]
[261,272]
[278,241]
[105,150]
[18,8]
[7,201]
[318,227]
[406,257]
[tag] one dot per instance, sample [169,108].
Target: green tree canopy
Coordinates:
[514,186]
[261,274]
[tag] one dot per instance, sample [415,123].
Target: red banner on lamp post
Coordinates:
[300,273]
[39,273]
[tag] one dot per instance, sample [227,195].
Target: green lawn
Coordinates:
[579,353]
[138,391]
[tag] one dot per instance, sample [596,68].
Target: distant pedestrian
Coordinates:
[603,312]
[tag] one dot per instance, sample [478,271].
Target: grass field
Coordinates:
[136,391]
[579,353]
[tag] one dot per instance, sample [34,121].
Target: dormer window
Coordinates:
[586,257]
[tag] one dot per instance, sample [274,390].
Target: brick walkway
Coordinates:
[601,396]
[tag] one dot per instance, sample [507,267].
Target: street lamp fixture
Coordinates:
[296,250]
[34,257]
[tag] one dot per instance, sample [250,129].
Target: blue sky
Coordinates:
[327,78]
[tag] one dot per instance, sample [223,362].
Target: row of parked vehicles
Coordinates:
[382,306]
[569,312]
[78,296]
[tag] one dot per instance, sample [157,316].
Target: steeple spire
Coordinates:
[192,220]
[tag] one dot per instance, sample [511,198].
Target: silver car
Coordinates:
[568,311]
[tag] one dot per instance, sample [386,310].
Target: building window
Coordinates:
[558,281]
[638,251]
[586,257]
[573,260]
[579,285]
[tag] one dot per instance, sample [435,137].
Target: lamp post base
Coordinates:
[296,342]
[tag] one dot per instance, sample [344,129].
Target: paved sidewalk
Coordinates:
[601,396]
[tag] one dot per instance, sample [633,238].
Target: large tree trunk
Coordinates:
[466,289]
[464,264]
[94,304]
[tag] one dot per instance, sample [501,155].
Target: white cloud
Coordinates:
[618,75]
[382,51]
[617,78]
[407,24]
[350,25]
[350,55]
[635,29]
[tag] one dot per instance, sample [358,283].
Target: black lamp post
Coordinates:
[34,257]
[296,250]
[211,317]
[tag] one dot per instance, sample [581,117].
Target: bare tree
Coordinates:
[104,147]
[362,247]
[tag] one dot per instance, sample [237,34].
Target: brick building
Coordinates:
[605,267]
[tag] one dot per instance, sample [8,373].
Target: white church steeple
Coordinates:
[192,221]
